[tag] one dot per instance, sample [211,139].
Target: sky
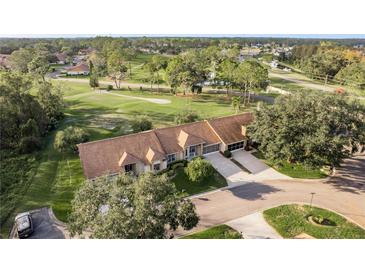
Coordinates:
[313,36]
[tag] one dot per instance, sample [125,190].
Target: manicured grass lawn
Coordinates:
[294,170]
[217,232]
[50,178]
[287,85]
[139,74]
[291,220]
[187,187]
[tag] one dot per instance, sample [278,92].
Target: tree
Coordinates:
[129,207]
[153,68]
[314,129]
[51,99]
[250,74]
[99,64]
[68,139]
[94,79]
[187,69]
[39,66]
[186,116]
[117,69]
[352,75]
[236,103]
[141,123]
[19,59]
[198,169]
[326,63]
[227,70]
[23,119]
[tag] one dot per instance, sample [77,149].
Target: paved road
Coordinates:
[343,193]
[45,226]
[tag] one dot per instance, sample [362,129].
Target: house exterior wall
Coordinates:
[77,73]
[140,168]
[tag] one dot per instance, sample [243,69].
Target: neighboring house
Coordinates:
[80,69]
[4,61]
[61,58]
[153,150]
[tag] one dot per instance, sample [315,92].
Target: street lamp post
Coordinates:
[312,193]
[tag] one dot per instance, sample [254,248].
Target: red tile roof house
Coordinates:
[80,69]
[153,150]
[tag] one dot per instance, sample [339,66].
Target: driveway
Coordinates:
[259,170]
[233,174]
[254,226]
[46,226]
[343,193]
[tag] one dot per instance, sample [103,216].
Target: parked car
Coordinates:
[24,224]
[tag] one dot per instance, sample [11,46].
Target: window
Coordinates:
[171,158]
[235,146]
[128,168]
[156,167]
[210,148]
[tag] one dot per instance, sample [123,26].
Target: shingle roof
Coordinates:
[79,68]
[185,139]
[229,128]
[127,159]
[107,156]
[153,155]
[102,157]
[197,132]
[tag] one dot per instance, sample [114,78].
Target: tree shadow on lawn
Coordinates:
[350,176]
[253,191]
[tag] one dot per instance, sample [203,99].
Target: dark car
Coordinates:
[24,225]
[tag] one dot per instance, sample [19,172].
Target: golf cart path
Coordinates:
[303,83]
[151,100]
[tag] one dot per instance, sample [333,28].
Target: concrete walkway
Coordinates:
[254,226]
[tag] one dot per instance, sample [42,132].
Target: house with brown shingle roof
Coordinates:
[80,69]
[153,150]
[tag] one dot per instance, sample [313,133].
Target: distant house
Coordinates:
[86,51]
[61,58]
[153,150]
[80,69]
[4,61]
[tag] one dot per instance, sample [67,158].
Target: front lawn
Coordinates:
[217,232]
[293,170]
[187,187]
[292,220]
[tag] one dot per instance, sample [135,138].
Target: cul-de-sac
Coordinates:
[182,138]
